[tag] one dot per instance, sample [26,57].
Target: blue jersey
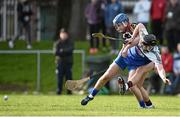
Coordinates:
[134,59]
[136,55]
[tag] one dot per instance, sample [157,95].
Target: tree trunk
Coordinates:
[77,26]
[63,15]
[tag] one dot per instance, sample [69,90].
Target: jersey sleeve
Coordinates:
[154,55]
[142,33]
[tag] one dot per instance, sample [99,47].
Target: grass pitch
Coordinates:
[51,105]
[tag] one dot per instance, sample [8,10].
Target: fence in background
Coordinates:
[38,53]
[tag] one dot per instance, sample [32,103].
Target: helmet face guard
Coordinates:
[148,42]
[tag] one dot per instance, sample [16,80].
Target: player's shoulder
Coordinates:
[136,24]
[133,25]
[156,49]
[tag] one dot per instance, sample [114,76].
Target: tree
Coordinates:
[63,14]
[69,15]
[77,26]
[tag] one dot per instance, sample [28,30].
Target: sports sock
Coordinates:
[148,103]
[93,93]
[142,104]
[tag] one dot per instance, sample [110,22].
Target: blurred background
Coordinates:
[32,56]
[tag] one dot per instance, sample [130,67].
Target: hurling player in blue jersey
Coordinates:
[135,54]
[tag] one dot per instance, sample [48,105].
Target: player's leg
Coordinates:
[139,80]
[112,71]
[138,75]
[144,93]
[109,74]
[136,91]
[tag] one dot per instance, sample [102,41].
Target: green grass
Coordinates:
[42,45]
[18,72]
[51,105]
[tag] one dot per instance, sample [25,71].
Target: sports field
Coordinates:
[52,105]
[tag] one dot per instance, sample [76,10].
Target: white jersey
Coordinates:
[153,55]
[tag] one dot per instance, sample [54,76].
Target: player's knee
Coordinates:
[132,89]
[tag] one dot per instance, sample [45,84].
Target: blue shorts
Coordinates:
[132,61]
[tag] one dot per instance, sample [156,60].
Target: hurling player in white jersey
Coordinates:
[132,58]
[146,46]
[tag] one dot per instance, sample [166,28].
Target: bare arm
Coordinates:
[133,43]
[138,33]
[162,73]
